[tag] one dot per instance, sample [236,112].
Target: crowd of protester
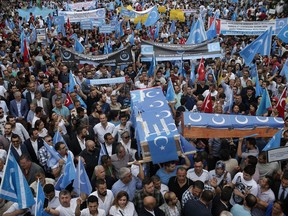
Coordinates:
[225,177]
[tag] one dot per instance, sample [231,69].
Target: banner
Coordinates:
[167,52]
[105,81]
[132,13]
[120,57]
[86,25]
[41,35]
[44,12]
[79,5]
[229,27]
[83,15]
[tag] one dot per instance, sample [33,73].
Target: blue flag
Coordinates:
[14,186]
[257,46]
[156,34]
[265,103]
[81,183]
[58,138]
[212,33]
[153,17]
[83,104]
[54,156]
[139,26]
[78,47]
[234,16]
[172,27]
[274,47]
[33,36]
[197,33]
[258,88]
[186,146]
[69,172]
[283,34]
[253,70]
[105,51]
[59,20]
[284,71]
[192,74]
[229,104]
[274,141]
[152,67]
[101,153]
[72,82]
[170,94]
[131,39]
[40,197]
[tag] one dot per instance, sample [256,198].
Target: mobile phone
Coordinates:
[46,201]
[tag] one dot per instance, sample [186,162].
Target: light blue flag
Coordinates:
[212,33]
[253,70]
[74,37]
[69,172]
[284,71]
[156,34]
[283,34]
[265,49]
[14,186]
[128,25]
[131,39]
[110,48]
[255,47]
[152,67]
[58,138]
[40,197]
[192,74]
[101,153]
[229,104]
[58,20]
[170,94]
[139,26]
[197,34]
[33,36]
[265,103]
[172,27]
[153,17]
[81,183]
[78,47]
[121,32]
[186,146]
[274,47]
[83,104]
[54,155]
[72,82]
[234,16]
[258,88]
[274,141]
[105,51]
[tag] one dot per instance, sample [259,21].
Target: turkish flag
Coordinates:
[26,51]
[218,24]
[207,105]
[68,102]
[201,70]
[68,24]
[280,106]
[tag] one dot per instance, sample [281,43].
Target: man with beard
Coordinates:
[92,207]
[91,156]
[77,143]
[105,197]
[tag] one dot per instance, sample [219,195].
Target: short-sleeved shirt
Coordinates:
[204,177]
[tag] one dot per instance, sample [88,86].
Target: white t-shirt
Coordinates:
[106,205]
[69,210]
[204,177]
[129,210]
[85,212]
[242,185]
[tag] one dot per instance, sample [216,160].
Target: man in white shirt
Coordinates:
[105,197]
[102,128]
[67,205]
[198,173]
[92,207]
[52,195]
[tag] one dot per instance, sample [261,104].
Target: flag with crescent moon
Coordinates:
[280,106]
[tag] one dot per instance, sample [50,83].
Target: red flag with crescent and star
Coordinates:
[201,70]
[207,105]
[68,102]
[280,106]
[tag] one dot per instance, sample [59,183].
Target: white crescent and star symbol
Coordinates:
[218,122]
[168,113]
[173,124]
[161,103]
[278,120]
[263,119]
[285,34]
[162,147]
[195,120]
[148,94]
[241,122]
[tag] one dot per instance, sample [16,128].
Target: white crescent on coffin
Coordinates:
[280,122]
[167,113]
[148,94]
[262,120]
[285,34]
[195,120]
[218,123]
[175,128]
[161,103]
[160,137]
[241,122]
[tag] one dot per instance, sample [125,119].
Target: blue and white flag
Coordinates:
[284,71]
[212,33]
[261,45]
[54,156]
[192,74]
[172,27]
[72,82]
[197,33]
[101,153]
[69,172]
[170,94]
[153,17]
[265,103]
[58,138]
[40,197]
[14,186]
[78,47]
[283,34]
[152,67]
[81,183]
[274,141]
[139,26]
[59,20]
[258,88]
